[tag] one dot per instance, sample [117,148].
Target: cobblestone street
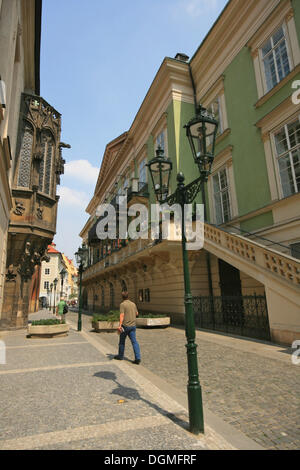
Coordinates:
[252,385]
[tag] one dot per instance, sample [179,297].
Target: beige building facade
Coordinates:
[19,71]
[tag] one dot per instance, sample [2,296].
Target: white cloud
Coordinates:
[72,197]
[82,170]
[196,8]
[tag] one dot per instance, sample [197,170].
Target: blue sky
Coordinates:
[98,60]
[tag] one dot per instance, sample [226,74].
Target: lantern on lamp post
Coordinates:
[201,132]
[82,261]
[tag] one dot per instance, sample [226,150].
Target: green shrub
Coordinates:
[106,317]
[152,315]
[48,321]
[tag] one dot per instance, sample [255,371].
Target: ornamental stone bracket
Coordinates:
[33,256]
[20,208]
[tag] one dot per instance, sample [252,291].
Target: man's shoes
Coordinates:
[137,361]
[118,358]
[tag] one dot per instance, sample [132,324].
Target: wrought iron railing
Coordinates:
[242,315]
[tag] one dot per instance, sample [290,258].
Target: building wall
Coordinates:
[12,74]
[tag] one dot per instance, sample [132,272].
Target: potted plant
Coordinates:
[106,322]
[151,320]
[47,328]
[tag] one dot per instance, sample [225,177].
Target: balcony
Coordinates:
[138,192]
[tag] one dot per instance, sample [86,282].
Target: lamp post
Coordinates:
[55,284]
[62,274]
[48,294]
[51,288]
[81,259]
[201,132]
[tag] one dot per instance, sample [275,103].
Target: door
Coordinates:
[231,293]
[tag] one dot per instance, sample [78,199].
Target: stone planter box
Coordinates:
[105,325]
[151,322]
[48,331]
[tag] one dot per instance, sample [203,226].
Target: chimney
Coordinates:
[182,57]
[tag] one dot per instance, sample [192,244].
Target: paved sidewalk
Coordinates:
[251,385]
[69,393]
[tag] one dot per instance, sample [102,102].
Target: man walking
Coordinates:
[127,326]
[61,309]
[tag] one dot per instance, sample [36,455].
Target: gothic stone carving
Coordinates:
[19,209]
[33,255]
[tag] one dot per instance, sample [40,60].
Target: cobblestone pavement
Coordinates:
[68,393]
[252,385]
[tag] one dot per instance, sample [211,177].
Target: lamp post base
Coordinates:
[196,418]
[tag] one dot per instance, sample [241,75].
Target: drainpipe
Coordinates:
[208,264]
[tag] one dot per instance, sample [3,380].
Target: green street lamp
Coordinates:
[160,171]
[201,132]
[82,261]
[55,284]
[62,274]
[51,288]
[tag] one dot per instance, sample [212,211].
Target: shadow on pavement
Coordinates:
[129,393]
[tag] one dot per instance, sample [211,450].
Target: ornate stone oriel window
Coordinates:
[25,157]
[46,165]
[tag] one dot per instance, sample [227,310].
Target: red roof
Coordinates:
[52,249]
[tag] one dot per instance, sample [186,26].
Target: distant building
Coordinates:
[51,270]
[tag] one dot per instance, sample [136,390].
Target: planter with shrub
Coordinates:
[151,320]
[106,322]
[47,328]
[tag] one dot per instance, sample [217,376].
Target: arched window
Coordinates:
[124,286]
[102,296]
[25,157]
[46,163]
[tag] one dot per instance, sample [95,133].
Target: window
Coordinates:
[215,109]
[295,250]
[47,271]
[46,163]
[275,58]
[287,144]
[125,185]
[141,295]
[160,140]
[143,171]
[111,295]
[147,295]
[102,296]
[25,157]
[221,197]
[46,285]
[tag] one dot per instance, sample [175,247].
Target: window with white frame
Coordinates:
[275,58]
[221,197]
[287,145]
[47,270]
[46,285]
[215,109]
